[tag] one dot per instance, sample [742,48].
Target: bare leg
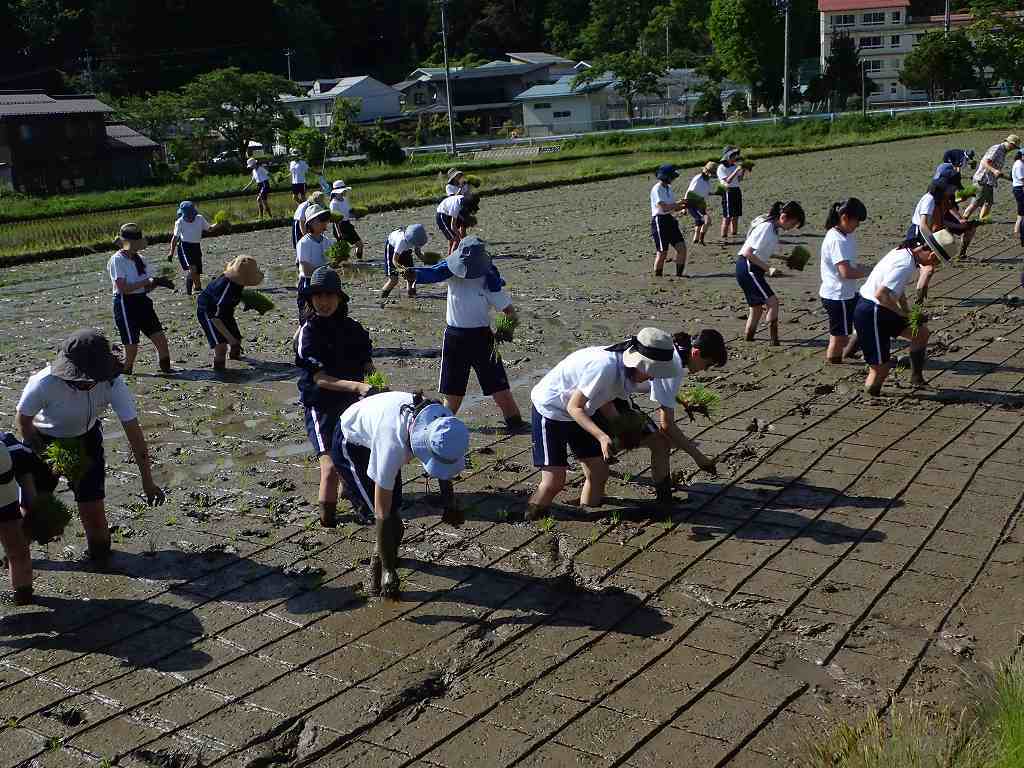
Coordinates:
[552,480]
[836,345]
[359,249]
[595,470]
[452,402]
[725,226]
[659,262]
[506,403]
[388,286]
[197,280]
[877,375]
[660,446]
[97,533]
[162,350]
[680,250]
[131,351]
[19,558]
[219,354]
[753,318]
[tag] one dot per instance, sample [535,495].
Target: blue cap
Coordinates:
[439,441]
[470,259]
[186,208]
[666,172]
[416,235]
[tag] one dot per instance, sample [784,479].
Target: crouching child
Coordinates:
[215,308]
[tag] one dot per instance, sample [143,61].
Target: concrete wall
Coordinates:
[565,114]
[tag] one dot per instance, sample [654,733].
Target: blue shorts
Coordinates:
[447,225]
[465,348]
[1018,194]
[665,232]
[553,439]
[876,327]
[299,188]
[190,256]
[732,203]
[300,300]
[697,216]
[296,234]
[752,280]
[389,260]
[92,486]
[351,461]
[347,232]
[840,315]
[263,189]
[320,424]
[213,335]
[134,315]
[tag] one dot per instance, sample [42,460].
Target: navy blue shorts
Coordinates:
[876,327]
[345,231]
[697,216]
[553,439]
[1018,194]
[92,486]
[213,335]
[190,256]
[263,189]
[465,348]
[840,315]
[296,234]
[134,315]
[752,280]
[299,188]
[665,232]
[732,203]
[447,225]
[320,424]
[351,461]
[300,300]
[389,260]
[25,461]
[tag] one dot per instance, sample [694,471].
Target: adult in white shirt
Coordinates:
[1017,174]
[298,168]
[839,275]
[989,171]
[375,437]
[186,244]
[578,405]
[701,185]
[883,311]
[341,215]
[311,250]
[664,225]
[66,400]
[731,173]
[752,265]
[261,178]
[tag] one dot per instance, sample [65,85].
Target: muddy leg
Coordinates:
[595,471]
[753,318]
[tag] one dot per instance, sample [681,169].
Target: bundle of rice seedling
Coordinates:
[67,457]
[473,181]
[377,380]
[696,202]
[430,257]
[916,319]
[222,220]
[505,328]
[718,190]
[798,258]
[359,211]
[470,220]
[338,253]
[747,165]
[969,191]
[256,300]
[47,519]
[337,218]
[699,399]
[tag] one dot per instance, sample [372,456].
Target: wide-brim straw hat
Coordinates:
[1013,139]
[710,166]
[85,356]
[339,188]
[252,162]
[244,270]
[652,352]
[315,211]
[453,173]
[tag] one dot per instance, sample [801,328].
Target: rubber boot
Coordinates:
[373,576]
[773,331]
[535,512]
[23,596]
[451,513]
[386,542]
[165,364]
[99,551]
[917,368]
[188,283]
[514,425]
[329,514]
[680,268]
[663,490]
[852,347]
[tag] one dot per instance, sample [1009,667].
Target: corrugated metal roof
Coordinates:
[494,69]
[123,137]
[55,107]
[25,98]
[564,87]
[540,57]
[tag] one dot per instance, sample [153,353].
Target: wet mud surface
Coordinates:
[849,549]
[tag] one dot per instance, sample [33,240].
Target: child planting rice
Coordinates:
[989,171]
[373,439]
[298,168]
[66,400]
[334,354]
[955,160]
[28,511]
[576,402]
[261,178]
[935,211]
[457,183]
[453,214]
[697,194]
[311,251]
[215,308]
[186,244]
[299,217]
[398,252]
[839,275]
[134,314]
[1017,174]
[730,174]
[752,264]
[883,312]
[664,225]
[342,215]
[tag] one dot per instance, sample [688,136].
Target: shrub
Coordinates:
[382,146]
[193,172]
[738,104]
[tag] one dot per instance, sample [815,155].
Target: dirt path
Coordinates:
[848,549]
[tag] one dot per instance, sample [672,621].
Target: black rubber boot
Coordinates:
[373,576]
[917,368]
[451,513]
[386,547]
[852,347]
[328,514]
[663,490]
[514,425]
[165,364]
[188,283]
[23,596]
[773,331]
[99,552]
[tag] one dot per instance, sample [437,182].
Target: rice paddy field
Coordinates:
[847,552]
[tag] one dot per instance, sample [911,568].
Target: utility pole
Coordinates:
[288,55]
[864,87]
[447,72]
[666,45]
[785,64]
[945,21]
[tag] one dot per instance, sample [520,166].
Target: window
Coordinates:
[561,115]
[894,41]
[843,20]
[873,65]
[542,105]
[874,41]
[895,16]
[892,89]
[419,98]
[875,17]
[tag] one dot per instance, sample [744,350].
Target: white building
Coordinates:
[377,100]
[561,108]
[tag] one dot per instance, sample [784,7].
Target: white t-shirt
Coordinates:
[1017,172]
[662,391]
[397,241]
[925,207]
[311,251]
[59,410]
[342,207]
[8,491]
[377,423]
[191,231]
[661,193]
[894,271]
[836,248]
[723,173]
[120,265]
[469,302]
[456,189]
[298,170]
[701,185]
[451,206]
[260,174]
[762,239]
[600,375]
[300,210]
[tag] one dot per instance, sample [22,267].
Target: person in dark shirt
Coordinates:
[215,308]
[334,355]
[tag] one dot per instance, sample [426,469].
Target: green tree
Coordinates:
[614,26]
[382,146]
[998,38]
[940,63]
[240,106]
[156,115]
[563,22]
[747,39]
[685,22]
[635,75]
[41,21]
[709,105]
[842,69]
[345,133]
[309,142]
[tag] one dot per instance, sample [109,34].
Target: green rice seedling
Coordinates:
[47,518]
[700,399]
[547,524]
[747,165]
[377,380]
[505,328]
[969,191]
[696,202]
[916,319]
[473,181]
[430,258]
[338,253]
[256,300]
[718,190]
[798,258]
[67,457]
[360,212]
[222,220]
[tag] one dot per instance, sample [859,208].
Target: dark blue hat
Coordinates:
[666,173]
